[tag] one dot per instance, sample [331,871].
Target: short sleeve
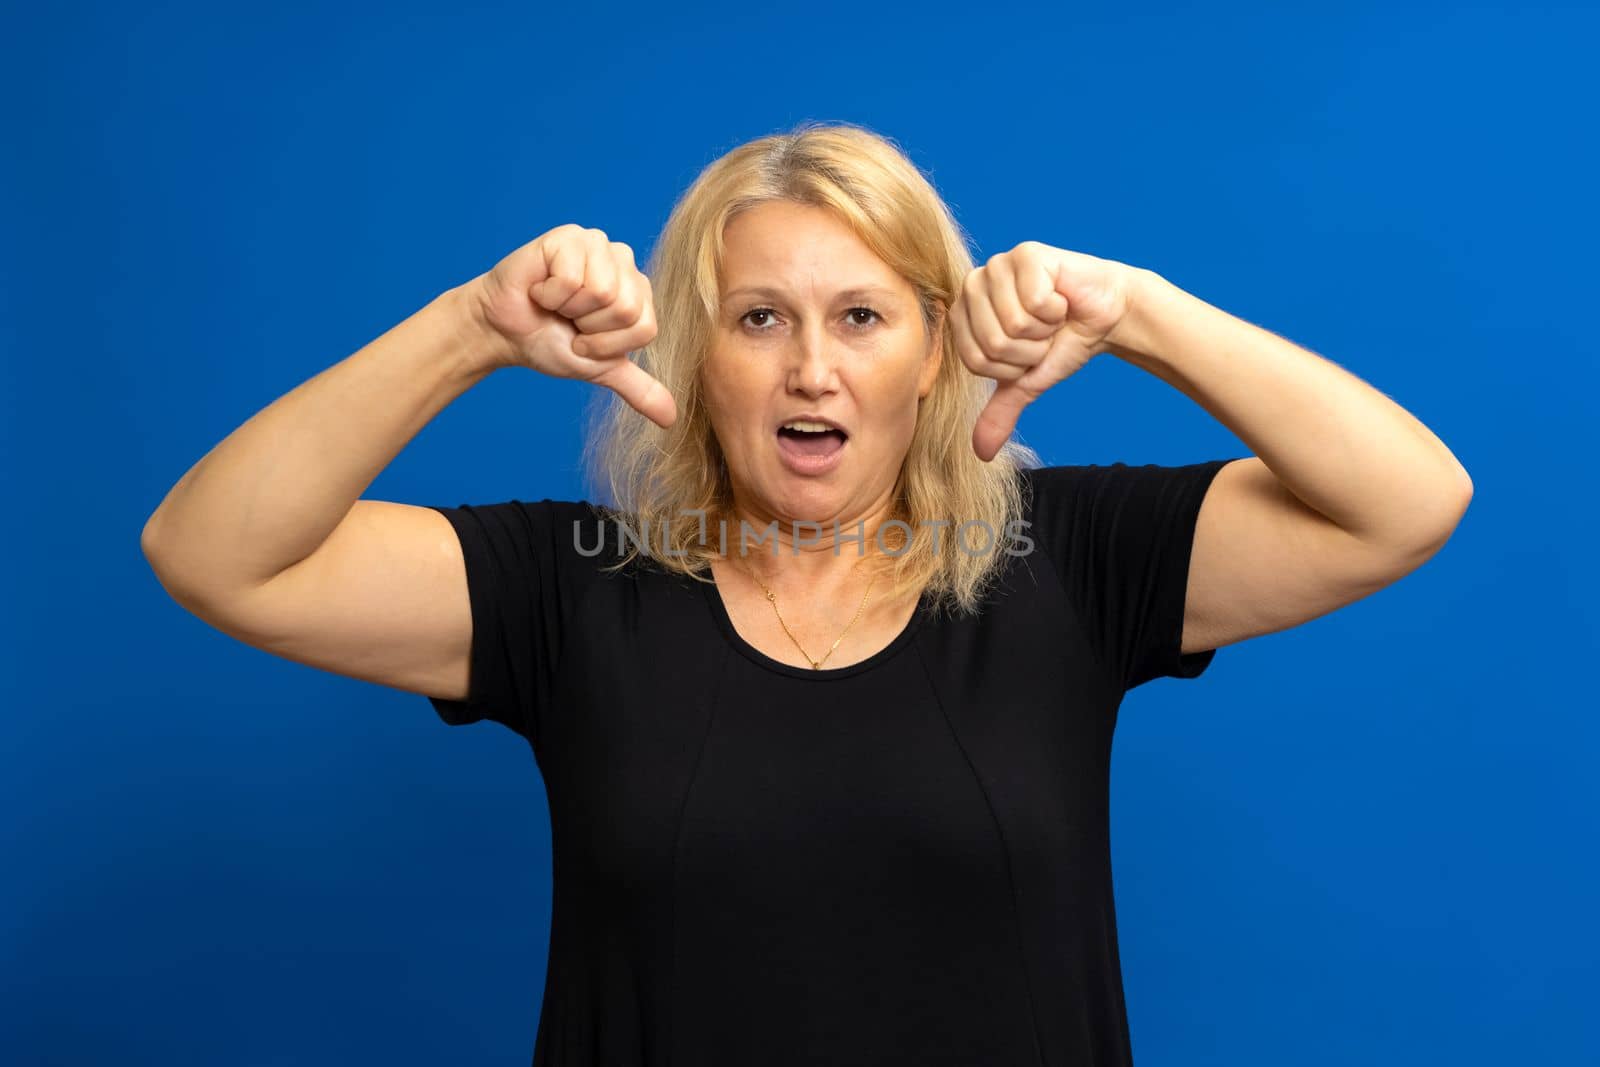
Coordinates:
[520,583]
[1121,537]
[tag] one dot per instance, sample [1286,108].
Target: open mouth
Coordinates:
[810,442]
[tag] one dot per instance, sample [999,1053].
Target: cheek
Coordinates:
[717,386]
[891,398]
[734,382]
[735,406]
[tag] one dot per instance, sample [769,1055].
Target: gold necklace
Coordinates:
[816,664]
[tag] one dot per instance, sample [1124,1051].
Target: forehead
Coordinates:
[783,245]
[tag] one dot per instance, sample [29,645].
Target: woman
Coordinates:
[824,704]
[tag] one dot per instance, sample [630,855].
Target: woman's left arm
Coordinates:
[1347,492]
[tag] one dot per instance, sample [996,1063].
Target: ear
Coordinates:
[932,358]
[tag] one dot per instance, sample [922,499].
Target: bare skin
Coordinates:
[1347,491]
[266,536]
[813,322]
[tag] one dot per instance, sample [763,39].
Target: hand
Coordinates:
[1029,318]
[571,304]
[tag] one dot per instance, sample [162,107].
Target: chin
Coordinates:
[801,500]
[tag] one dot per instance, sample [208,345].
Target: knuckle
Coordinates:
[1001,370]
[991,340]
[628,305]
[1032,300]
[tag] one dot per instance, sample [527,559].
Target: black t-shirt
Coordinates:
[901,861]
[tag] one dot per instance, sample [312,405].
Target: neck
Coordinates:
[807,552]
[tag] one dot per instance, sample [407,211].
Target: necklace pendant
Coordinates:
[816,664]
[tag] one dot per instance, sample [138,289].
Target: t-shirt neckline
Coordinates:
[719,612]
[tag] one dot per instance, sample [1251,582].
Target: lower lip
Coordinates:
[800,463]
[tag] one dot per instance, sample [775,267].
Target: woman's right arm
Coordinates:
[266,537]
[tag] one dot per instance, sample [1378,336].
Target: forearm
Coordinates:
[1341,446]
[272,491]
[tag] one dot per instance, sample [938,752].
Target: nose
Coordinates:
[813,365]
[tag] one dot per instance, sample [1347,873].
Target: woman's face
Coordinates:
[814,328]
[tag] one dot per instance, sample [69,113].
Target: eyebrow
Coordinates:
[856,293]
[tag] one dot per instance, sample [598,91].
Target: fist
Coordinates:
[571,304]
[1029,318]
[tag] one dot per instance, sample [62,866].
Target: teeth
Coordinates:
[807,427]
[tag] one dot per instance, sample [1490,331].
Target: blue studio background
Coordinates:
[1370,839]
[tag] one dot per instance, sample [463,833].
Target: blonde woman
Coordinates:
[823,698]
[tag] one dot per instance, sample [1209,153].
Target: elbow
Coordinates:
[147,543]
[1463,486]
[160,566]
[1457,502]
[147,540]
[1443,515]
[164,565]
[150,546]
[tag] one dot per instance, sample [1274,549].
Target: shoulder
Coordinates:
[1049,487]
[544,536]
[1053,492]
[1052,481]
[1106,513]
[525,518]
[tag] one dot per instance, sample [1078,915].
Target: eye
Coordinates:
[756,311]
[872,317]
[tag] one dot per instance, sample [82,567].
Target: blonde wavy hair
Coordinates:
[655,476]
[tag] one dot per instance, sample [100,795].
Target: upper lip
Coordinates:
[812,418]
